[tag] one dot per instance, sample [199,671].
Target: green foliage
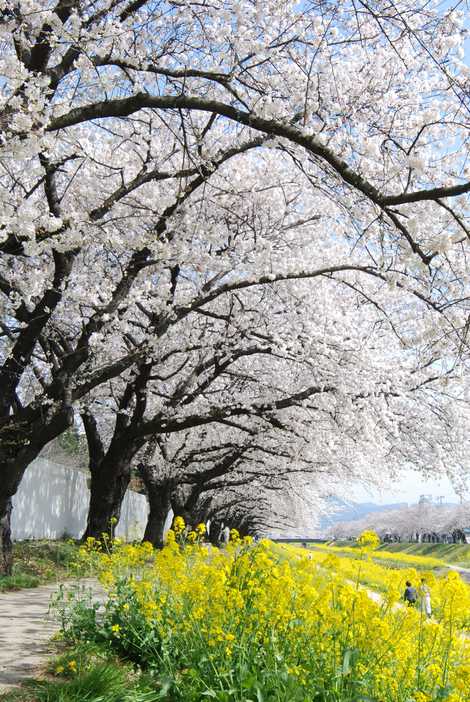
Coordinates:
[76,610]
[71,442]
[37,562]
[87,672]
[78,659]
[105,682]
[18,581]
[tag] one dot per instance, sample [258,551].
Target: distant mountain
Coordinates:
[342,511]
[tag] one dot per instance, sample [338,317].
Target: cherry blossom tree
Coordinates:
[194,476]
[261,504]
[423,522]
[358,416]
[159,158]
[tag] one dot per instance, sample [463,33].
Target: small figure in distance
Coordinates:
[410,595]
[425,598]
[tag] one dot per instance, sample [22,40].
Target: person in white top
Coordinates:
[425,598]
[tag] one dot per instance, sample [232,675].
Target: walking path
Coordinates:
[463,572]
[25,632]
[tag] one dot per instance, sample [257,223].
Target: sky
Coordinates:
[408,488]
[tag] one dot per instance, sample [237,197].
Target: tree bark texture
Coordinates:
[183,503]
[159,499]
[109,482]
[6,542]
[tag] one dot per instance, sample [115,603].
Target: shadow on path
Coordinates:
[26,629]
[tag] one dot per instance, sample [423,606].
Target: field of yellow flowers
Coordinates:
[259,622]
[387,557]
[447,593]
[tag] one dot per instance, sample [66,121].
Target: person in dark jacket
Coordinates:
[410,595]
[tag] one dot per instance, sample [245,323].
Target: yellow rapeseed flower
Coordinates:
[331,617]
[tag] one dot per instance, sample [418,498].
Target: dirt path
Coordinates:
[25,632]
[463,572]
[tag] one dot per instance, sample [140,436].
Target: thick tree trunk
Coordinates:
[6,542]
[159,508]
[109,482]
[179,511]
[158,514]
[158,486]
[11,472]
[184,503]
[159,499]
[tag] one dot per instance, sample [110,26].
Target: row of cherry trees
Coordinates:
[233,239]
[424,522]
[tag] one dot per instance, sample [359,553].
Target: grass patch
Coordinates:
[104,683]
[456,554]
[39,562]
[18,581]
[86,673]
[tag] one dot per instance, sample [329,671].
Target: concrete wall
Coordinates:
[52,501]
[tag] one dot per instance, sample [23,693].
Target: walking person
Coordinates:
[425,598]
[410,595]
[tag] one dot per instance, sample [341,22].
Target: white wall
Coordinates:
[52,501]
